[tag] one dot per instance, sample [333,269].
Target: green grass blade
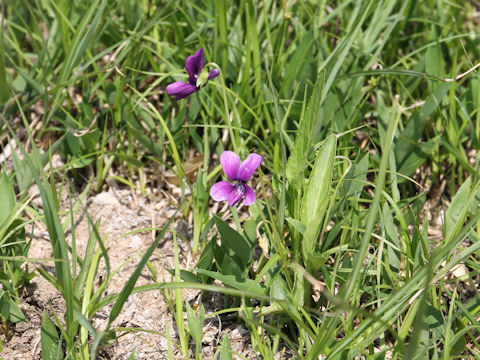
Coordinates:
[4,91]
[127,289]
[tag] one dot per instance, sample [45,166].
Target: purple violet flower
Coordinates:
[196,77]
[238,172]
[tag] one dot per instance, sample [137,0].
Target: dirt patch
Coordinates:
[120,215]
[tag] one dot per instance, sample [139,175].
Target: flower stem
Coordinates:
[236,219]
[227,111]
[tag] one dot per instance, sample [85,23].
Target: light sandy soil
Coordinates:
[120,213]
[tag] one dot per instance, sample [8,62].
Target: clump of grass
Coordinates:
[364,114]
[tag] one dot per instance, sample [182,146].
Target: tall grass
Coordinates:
[360,114]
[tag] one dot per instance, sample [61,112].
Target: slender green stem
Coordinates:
[232,134]
[236,219]
[179,300]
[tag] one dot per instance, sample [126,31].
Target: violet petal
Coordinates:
[222,190]
[230,163]
[236,195]
[250,196]
[194,64]
[248,167]
[180,89]
[213,73]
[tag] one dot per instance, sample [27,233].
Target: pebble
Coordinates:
[136,242]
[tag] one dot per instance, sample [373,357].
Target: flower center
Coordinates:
[239,188]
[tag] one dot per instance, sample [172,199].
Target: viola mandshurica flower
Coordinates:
[197,76]
[238,172]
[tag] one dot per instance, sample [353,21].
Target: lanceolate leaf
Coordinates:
[4,92]
[237,282]
[226,349]
[234,244]
[9,310]
[316,195]
[297,162]
[407,140]
[50,341]
[458,209]
[7,198]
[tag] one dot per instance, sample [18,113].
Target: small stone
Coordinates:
[136,242]
[147,315]
[105,198]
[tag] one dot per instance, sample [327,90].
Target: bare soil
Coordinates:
[121,213]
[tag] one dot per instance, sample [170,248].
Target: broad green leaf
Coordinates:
[393,245]
[296,224]
[50,341]
[315,198]
[24,168]
[318,185]
[297,162]
[435,321]
[457,211]
[207,256]
[9,310]
[404,330]
[226,349]
[7,198]
[302,56]
[406,141]
[250,232]
[185,275]
[236,281]
[195,324]
[27,79]
[228,265]
[434,59]
[4,92]
[200,212]
[298,288]
[419,153]
[355,178]
[277,285]
[234,244]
